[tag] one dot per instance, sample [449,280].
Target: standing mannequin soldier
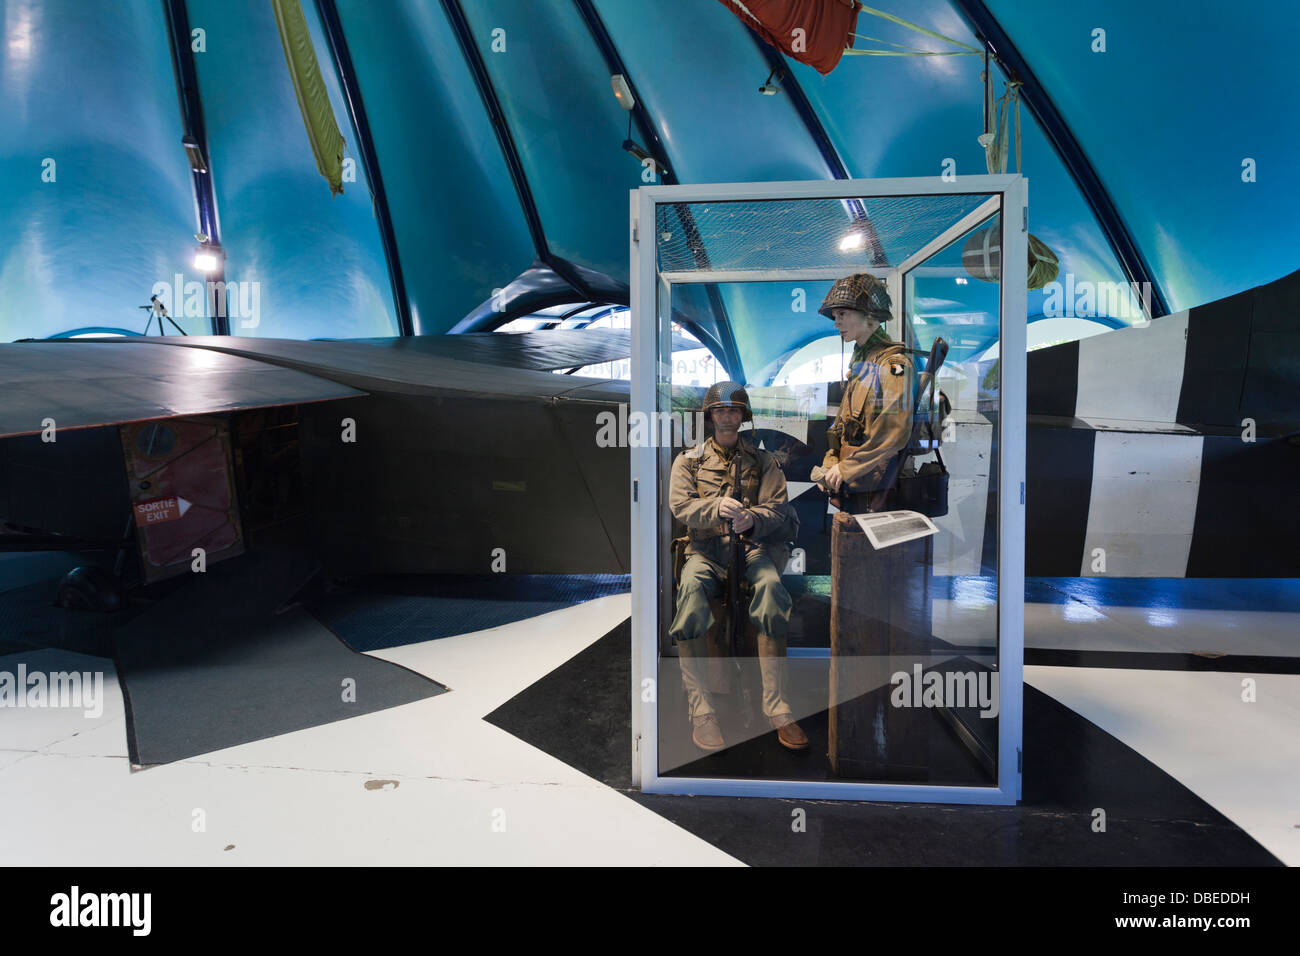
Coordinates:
[700,496]
[874,422]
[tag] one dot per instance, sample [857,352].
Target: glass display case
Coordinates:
[828,542]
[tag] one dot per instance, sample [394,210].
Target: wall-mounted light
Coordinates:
[194,153]
[622,92]
[769,87]
[209,256]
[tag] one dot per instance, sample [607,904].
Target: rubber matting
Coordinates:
[214,665]
[376,613]
[579,714]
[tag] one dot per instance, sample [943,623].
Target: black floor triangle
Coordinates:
[579,713]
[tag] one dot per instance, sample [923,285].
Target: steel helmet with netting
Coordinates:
[861,291]
[727,395]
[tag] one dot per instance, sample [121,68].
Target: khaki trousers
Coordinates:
[769,610]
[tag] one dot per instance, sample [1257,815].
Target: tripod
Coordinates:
[156,308]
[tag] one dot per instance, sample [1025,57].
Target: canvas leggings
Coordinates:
[769,610]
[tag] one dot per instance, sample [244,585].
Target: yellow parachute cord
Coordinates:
[966,49]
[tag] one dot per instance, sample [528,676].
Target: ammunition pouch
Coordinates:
[679,556]
[926,491]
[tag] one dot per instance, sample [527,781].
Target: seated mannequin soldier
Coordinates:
[874,422]
[703,496]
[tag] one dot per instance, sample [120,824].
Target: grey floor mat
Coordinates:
[390,611]
[214,665]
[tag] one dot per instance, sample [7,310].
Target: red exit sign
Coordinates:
[158,510]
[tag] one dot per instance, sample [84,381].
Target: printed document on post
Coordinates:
[884,528]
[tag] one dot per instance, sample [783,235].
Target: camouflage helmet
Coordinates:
[861,291]
[727,395]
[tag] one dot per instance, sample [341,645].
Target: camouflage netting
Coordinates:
[762,235]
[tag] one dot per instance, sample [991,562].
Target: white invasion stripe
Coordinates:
[1125,425]
[795,488]
[1134,373]
[795,427]
[1142,508]
[1194,728]
[960,545]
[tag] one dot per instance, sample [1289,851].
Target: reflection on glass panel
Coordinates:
[954,296]
[829,608]
[822,360]
[693,363]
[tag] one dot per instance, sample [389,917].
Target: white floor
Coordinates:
[1242,758]
[425,783]
[432,783]
[1073,625]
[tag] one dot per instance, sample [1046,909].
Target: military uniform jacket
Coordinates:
[702,476]
[874,422]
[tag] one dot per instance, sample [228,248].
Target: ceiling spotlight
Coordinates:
[851,241]
[622,92]
[642,155]
[208,258]
[636,149]
[769,88]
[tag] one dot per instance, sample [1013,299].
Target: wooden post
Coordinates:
[880,624]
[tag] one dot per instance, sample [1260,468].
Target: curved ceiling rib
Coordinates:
[614,62]
[329,16]
[1059,134]
[456,17]
[191,104]
[792,88]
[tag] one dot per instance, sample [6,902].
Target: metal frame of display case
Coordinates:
[650,302]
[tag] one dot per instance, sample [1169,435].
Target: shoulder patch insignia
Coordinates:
[896,368]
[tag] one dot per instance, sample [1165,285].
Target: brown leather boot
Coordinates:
[707,734]
[788,732]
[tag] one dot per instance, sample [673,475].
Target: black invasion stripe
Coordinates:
[1160,661]
[1058,490]
[1269,394]
[1218,339]
[1053,377]
[1246,523]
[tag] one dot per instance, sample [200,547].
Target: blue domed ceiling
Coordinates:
[497,148]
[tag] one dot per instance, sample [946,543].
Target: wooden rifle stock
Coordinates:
[736,620]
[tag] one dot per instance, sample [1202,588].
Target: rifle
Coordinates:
[735,631]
